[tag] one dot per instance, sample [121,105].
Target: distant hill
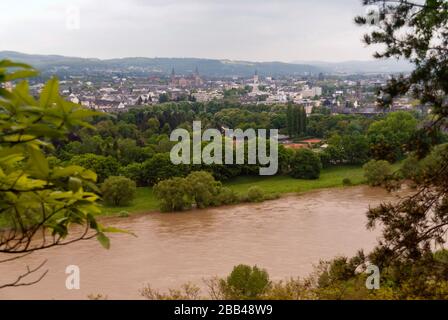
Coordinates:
[207,67]
[373,66]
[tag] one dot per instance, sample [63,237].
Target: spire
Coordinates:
[172,72]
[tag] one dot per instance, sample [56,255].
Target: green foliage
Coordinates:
[305,164]
[245,283]
[377,172]
[160,168]
[388,138]
[118,191]
[255,194]
[198,188]
[243,119]
[347,149]
[135,172]
[153,125]
[164,97]
[203,189]
[187,291]
[123,214]
[324,126]
[347,182]
[227,196]
[103,166]
[173,194]
[36,193]
[296,120]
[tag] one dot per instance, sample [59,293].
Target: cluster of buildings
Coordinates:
[339,95]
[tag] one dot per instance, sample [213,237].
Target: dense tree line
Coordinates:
[136,144]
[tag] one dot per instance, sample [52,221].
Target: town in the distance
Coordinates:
[112,87]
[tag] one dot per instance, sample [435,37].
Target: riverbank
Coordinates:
[145,200]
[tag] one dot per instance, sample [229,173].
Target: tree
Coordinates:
[377,172]
[135,172]
[103,166]
[425,44]
[118,191]
[164,97]
[296,120]
[203,188]
[305,164]
[388,138]
[40,200]
[160,167]
[347,149]
[415,225]
[173,194]
[245,282]
[153,125]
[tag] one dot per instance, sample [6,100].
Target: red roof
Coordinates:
[296,145]
[312,141]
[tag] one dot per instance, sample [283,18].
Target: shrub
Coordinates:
[346,182]
[377,172]
[173,195]
[135,172]
[188,291]
[203,188]
[245,283]
[305,164]
[118,191]
[226,196]
[255,194]
[123,214]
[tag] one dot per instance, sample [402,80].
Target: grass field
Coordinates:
[145,200]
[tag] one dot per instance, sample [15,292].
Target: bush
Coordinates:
[173,195]
[203,188]
[135,172]
[305,164]
[255,194]
[118,191]
[245,283]
[123,214]
[226,196]
[377,172]
[346,182]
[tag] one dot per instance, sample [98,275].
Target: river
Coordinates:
[286,236]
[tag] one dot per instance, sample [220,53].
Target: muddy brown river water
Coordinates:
[286,236]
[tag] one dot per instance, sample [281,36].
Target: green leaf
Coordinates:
[10,64]
[50,93]
[21,91]
[38,163]
[74,184]
[103,240]
[5,93]
[117,230]
[21,74]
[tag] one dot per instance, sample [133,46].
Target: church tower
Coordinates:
[256,78]
[173,77]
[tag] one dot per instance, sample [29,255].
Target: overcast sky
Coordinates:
[256,30]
